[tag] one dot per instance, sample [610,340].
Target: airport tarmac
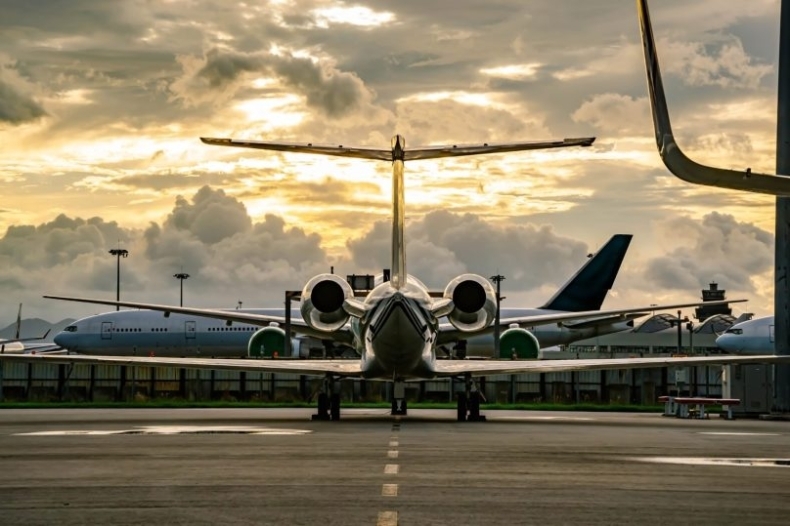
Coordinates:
[275,466]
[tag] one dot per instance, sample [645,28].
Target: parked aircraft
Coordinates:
[144,333]
[753,336]
[396,328]
[20,345]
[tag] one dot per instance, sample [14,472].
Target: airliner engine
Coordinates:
[474,302]
[518,344]
[267,343]
[322,302]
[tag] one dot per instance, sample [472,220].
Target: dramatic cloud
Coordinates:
[212,238]
[16,108]
[613,112]
[212,217]
[718,248]
[218,75]
[443,244]
[728,66]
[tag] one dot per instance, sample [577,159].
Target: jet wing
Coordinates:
[338,151]
[435,152]
[446,368]
[674,159]
[263,320]
[36,348]
[349,368]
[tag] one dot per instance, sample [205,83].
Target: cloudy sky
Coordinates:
[102,104]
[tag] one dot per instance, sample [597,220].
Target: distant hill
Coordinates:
[33,327]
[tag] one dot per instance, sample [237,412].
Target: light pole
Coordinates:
[498,279]
[181,276]
[118,253]
[678,322]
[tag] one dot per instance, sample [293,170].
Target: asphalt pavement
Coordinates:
[276,466]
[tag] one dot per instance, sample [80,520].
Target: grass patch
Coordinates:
[185,404]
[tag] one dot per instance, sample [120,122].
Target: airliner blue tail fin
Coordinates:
[587,289]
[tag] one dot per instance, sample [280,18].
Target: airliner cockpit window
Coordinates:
[71,328]
[734,331]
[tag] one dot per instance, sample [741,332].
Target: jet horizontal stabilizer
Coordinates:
[436,152]
[413,154]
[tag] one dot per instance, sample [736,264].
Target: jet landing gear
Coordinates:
[328,401]
[399,398]
[469,402]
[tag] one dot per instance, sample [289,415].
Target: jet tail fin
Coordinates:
[18,322]
[587,289]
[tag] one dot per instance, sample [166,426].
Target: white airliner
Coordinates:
[753,336]
[147,333]
[396,329]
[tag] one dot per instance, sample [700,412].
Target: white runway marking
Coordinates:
[173,430]
[393,443]
[387,518]
[560,418]
[708,461]
[391,469]
[389,490]
[743,434]
[392,454]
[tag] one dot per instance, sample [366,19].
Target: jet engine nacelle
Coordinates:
[322,302]
[266,343]
[518,344]
[474,302]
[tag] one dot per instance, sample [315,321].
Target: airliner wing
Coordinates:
[338,151]
[572,320]
[447,368]
[674,159]
[263,320]
[603,320]
[313,367]
[557,317]
[36,348]
[31,339]
[435,152]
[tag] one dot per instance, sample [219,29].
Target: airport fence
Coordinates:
[50,382]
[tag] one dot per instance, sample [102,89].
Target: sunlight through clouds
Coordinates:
[101,110]
[274,112]
[513,72]
[352,15]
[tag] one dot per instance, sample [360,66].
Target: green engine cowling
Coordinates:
[266,342]
[518,343]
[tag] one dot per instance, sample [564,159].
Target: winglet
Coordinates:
[674,159]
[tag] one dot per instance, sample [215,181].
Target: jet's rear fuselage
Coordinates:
[398,332]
